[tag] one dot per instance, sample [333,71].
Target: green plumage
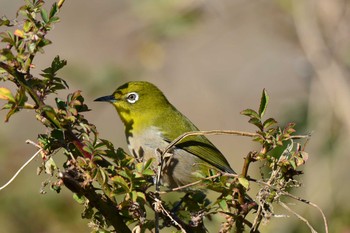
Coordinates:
[151,122]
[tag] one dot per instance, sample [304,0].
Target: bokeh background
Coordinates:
[212,59]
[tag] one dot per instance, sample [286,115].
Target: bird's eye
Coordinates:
[132,97]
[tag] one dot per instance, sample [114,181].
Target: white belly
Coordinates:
[179,168]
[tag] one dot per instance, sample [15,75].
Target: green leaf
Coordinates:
[5,22]
[256,122]
[148,172]
[250,113]
[263,103]
[54,20]
[58,64]
[53,10]
[269,122]
[10,113]
[103,175]
[133,195]
[223,205]
[244,182]
[79,198]
[148,163]
[141,195]
[121,182]
[44,15]
[27,26]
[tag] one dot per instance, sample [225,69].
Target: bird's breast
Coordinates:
[179,165]
[144,144]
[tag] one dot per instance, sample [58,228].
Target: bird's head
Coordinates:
[137,101]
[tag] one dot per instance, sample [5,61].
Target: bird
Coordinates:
[151,123]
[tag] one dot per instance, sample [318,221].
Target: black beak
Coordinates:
[108,98]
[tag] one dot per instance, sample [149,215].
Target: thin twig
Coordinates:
[298,216]
[193,183]
[312,204]
[158,177]
[23,166]
[219,132]
[296,198]
[160,208]
[207,132]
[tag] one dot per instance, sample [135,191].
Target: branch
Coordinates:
[298,216]
[280,192]
[21,168]
[312,204]
[101,202]
[8,69]
[195,183]
[219,132]
[207,132]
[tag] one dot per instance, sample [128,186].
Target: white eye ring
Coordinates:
[132,97]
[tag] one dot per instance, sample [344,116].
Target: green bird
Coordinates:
[152,122]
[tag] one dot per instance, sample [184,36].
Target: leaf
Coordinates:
[50,166]
[148,172]
[269,122]
[58,64]
[54,20]
[244,182]
[250,113]
[5,22]
[256,122]
[44,15]
[148,163]
[142,196]
[10,113]
[103,175]
[27,26]
[19,33]
[223,205]
[121,182]
[53,10]
[6,94]
[133,195]
[263,103]
[79,198]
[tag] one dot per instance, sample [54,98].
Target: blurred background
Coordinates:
[212,59]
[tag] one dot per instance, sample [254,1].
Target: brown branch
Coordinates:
[9,69]
[219,132]
[101,202]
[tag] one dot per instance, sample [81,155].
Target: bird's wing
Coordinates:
[199,146]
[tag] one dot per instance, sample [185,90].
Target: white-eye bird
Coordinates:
[152,122]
